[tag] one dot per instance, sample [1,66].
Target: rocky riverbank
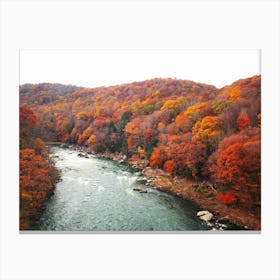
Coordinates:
[197,192]
[205,197]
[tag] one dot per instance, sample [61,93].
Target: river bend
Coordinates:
[97,194]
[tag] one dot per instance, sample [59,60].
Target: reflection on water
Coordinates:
[97,195]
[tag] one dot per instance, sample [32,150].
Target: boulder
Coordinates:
[202,213]
[142,180]
[83,155]
[205,215]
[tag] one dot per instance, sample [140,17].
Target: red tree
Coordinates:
[170,166]
[158,157]
[239,167]
[243,121]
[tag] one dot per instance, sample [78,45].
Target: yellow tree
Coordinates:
[193,112]
[141,152]
[92,141]
[174,104]
[82,116]
[234,94]
[207,130]
[86,134]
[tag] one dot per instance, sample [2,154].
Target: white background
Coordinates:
[139,25]
[93,68]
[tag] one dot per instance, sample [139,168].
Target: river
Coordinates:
[97,194]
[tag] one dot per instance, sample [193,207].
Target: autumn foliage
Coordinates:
[188,129]
[28,120]
[227,197]
[243,121]
[37,174]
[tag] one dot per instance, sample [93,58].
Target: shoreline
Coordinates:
[204,198]
[182,187]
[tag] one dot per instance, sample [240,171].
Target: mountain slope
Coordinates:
[189,129]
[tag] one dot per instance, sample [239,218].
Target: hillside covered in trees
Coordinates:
[38,175]
[188,129]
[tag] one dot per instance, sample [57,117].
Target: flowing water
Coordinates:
[97,195]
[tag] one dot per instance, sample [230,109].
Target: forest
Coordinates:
[38,175]
[188,129]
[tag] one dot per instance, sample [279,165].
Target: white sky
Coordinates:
[93,68]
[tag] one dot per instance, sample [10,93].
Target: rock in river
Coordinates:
[205,215]
[83,155]
[140,190]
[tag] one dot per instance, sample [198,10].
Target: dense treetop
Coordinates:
[188,129]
